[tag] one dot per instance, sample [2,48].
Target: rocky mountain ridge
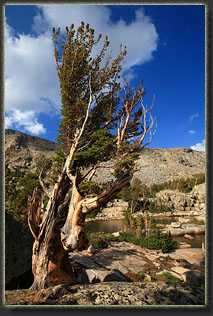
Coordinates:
[22,149]
[155,165]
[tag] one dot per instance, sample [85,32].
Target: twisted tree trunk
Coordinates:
[51,265]
[50,259]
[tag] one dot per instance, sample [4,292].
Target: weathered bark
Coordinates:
[72,235]
[50,261]
[35,214]
[51,265]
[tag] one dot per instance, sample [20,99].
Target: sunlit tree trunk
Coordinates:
[50,259]
[51,265]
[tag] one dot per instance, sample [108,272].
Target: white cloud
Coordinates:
[191,132]
[24,120]
[193,116]
[199,146]
[31,80]
[31,83]
[140,36]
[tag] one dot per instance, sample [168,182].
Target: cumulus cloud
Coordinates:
[199,146]
[31,82]
[27,120]
[140,36]
[31,76]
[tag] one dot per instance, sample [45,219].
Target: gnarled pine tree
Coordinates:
[96,125]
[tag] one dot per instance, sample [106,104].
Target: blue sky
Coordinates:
[165,48]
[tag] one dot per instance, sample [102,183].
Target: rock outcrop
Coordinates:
[179,201]
[96,276]
[113,210]
[18,255]
[183,229]
[111,293]
[108,278]
[123,261]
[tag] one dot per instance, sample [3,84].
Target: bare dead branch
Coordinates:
[85,146]
[78,135]
[35,205]
[90,204]
[43,186]
[130,101]
[152,133]
[144,122]
[91,172]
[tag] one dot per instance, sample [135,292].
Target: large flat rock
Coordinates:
[130,260]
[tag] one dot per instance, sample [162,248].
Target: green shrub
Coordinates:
[89,187]
[154,208]
[141,275]
[168,277]
[166,259]
[197,221]
[93,213]
[99,240]
[163,242]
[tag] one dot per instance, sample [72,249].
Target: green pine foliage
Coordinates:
[79,73]
[101,147]
[125,163]
[19,187]
[89,188]
[184,185]
[138,190]
[114,121]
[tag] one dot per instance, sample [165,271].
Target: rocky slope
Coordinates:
[154,165]
[157,165]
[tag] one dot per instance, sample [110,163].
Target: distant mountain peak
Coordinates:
[155,165]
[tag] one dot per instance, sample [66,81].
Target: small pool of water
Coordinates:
[105,226]
[112,226]
[118,225]
[164,220]
[195,243]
